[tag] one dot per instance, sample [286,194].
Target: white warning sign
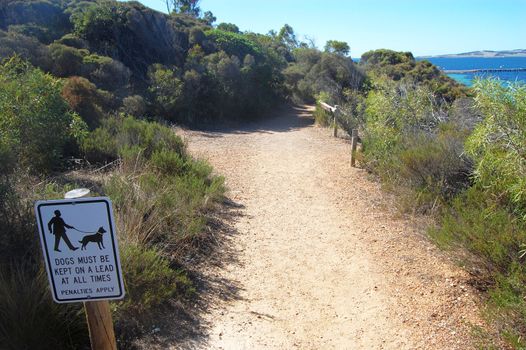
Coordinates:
[80,249]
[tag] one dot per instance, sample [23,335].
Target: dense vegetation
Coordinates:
[178,67]
[161,196]
[93,84]
[88,83]
[457,155]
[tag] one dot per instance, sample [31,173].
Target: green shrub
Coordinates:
[41,33]
[163,210]
[27,48]
[489,218]
[105,72]
[67,61]
[116,135]
[84,98]
[174,189]
[488,231]
[322,117]
[498,144]
[494,237]
[402,66]
[149,281]
[134,105]
[234,43]
[35,120]
[412,142]
[73,41]
[168,162]
[167,90]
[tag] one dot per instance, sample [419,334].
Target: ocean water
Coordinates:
[455,63]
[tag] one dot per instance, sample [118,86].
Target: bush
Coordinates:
[167,90]
[321,116]
[73,41]
[84,98]
[134,105]
[233,43]
[27,48]
[149,281]
[166,177]
[315,72]
[106,73]
[402,66]
[498,144]
[488,219]
[411,141]
[35,120]
[41,17]
[67,61]
[496,240]
[118,135]
[42,34]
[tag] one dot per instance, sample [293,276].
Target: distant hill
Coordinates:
[486,53]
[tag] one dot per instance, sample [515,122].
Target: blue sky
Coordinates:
[420,26]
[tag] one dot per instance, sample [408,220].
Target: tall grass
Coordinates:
[30,318]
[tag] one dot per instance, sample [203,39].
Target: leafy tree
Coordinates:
[167,90]
[228,27]
[188,7]
[338,47]
[384,57]
[209,18]
[234,43]
[288,37]
[314,72]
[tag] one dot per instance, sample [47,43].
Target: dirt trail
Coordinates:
[322,264]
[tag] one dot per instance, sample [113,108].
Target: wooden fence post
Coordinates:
[335,130]
[354,141]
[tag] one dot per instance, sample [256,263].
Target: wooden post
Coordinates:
[354,141]
[100,324]
[335,131]
[98,313]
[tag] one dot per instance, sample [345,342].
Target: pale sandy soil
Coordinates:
[319,259]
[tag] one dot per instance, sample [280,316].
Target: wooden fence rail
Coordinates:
[333,111]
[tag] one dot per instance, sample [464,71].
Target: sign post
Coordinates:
[81,254]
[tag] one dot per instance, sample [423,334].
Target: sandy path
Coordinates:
[321,263]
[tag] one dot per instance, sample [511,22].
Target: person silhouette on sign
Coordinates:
[59,230]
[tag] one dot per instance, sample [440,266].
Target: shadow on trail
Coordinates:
[284,119]
[183,324]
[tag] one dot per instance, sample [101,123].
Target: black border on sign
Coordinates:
[113,243]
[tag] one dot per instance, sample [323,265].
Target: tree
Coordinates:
[288,37]
[188,7]
[228,27]
[337,47]
[167,89]
[209,18]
